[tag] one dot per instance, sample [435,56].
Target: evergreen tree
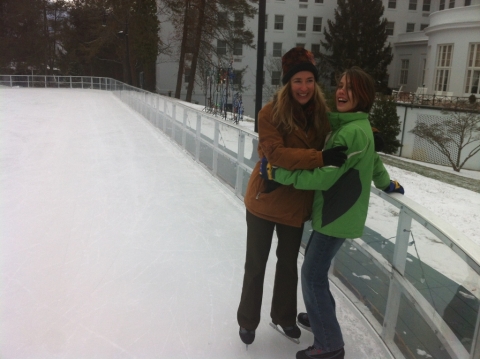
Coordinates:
[113,39]
[29,32]
[145,30]
[357,37]
[383,117]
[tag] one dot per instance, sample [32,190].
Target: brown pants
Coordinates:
[284,301]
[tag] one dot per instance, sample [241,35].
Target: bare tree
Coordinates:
[273,67]
[198,24]
[198,36]
[452,135]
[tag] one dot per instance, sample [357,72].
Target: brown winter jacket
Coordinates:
[296,150]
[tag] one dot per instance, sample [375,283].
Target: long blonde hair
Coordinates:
[285,107]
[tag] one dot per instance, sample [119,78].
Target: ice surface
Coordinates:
[115,244]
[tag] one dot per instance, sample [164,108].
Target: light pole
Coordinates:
[229,77]
[260,51]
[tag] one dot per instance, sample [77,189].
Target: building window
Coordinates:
[187,75]
[266,21]
[318,1]
[444,63]
[389,28]
[238,20]
[442,5]
[317,24]
[410,27]
[221,47]
[237,49]
[278,22]
[423,26]
[392,4]
[316,50]
[451,4]
[276,77]
[302,23]
[468,2]
[237,77]
[277,49]
[404,72]
[298,44]
[302,0]
[426,5]
[222,19]
[412,5]
[473,70]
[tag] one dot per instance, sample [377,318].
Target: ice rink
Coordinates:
[116,244]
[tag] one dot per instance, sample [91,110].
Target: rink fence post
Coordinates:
[184,127]
[476,340]
[172,120]
[398,263]
[215,148]
[198,136]
[241,161]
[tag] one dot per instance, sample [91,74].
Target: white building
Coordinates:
[435,43]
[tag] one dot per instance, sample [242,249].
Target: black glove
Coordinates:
[394,186]
[378,140]
[335,156]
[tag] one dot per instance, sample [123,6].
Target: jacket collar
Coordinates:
[338,119]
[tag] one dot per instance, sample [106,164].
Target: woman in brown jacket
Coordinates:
[292,130]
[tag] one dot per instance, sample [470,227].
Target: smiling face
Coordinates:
[344,96]
[303,86]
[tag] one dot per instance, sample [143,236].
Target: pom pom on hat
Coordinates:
[296,60]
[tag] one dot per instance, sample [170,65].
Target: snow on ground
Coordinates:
[461,207]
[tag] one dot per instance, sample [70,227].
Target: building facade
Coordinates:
[435,44]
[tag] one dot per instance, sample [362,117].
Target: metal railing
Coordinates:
[415,278]
[438,101]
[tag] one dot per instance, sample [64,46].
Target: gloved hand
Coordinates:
[335,156]
[378,140]
[394,187]
[267,171]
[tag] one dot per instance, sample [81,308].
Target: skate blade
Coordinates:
[304,327]
[295,340]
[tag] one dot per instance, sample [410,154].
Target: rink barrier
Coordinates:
[418,307]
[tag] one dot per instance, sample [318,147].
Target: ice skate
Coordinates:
[247,336]
[292,333]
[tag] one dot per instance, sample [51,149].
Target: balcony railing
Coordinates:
[438,101]
[415,278]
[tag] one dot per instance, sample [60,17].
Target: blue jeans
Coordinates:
[316,291]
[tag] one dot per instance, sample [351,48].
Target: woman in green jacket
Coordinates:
[340,205]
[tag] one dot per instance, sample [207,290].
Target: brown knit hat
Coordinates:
[296,60]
